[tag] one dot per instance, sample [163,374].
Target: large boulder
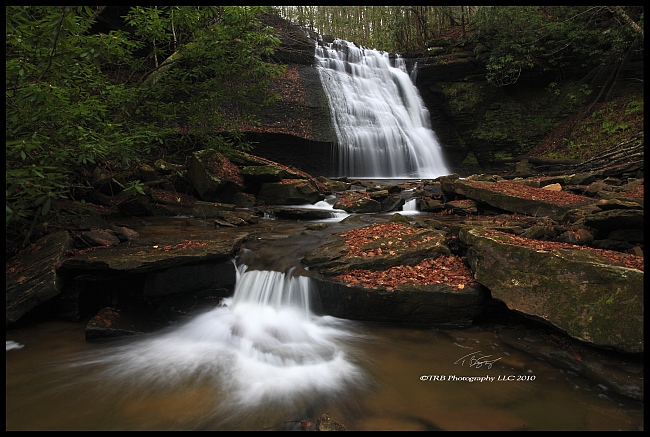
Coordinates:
[297,213]
[408,304]
[357,202]
[520,198]
[388,272]
[69,282]
[214,177]
[591,295]
[382,246]
[289,192]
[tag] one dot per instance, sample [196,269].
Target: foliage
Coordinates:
[78,97]
[135,186]
[513,39]
[611,123]
[220,79]
[582,137]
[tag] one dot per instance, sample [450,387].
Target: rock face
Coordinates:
[207,171]
[485,192]
[415,305]
[580,292]
[32,277]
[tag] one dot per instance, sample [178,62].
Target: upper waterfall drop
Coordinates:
[382,125]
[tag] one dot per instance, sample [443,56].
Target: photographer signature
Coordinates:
[476,360]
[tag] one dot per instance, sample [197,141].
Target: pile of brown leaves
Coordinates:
[393,232]
[627,259]
[450,270]
[224,168]
[172,198]
[526,192]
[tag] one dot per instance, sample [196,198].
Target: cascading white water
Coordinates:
[410,207]
[381,123]
[263,351]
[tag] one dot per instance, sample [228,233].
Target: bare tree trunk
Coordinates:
[621,13]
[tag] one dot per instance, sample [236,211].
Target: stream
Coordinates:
[264,360]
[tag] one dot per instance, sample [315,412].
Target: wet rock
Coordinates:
[357,202]
[145,255]
[391,245]
[289,192]
[265,173]
[32,276]
[134,205]
[125,234]
[615,219]
[205,210]
[429,204]
[334,185]
[185,279]
[326,423]
[485,192]
[391,202]
[416,305]
[620,373]
[590,297]
[465,207]
[223,213]
[213,176]
[335,257]
[100,237]
[113,323]
[297,213]
[399,218]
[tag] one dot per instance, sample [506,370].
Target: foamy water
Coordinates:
[261,347]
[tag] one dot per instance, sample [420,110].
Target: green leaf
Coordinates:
[46,207]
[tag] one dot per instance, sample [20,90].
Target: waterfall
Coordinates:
[410,207]
[382,125]
[273,290]
[261,350]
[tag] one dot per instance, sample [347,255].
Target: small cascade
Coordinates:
[327,205]
[261,351]
[271,290]
[410,207]
[382,125]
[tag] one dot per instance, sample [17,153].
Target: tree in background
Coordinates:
[510,40]
[394,29]
[77,97]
